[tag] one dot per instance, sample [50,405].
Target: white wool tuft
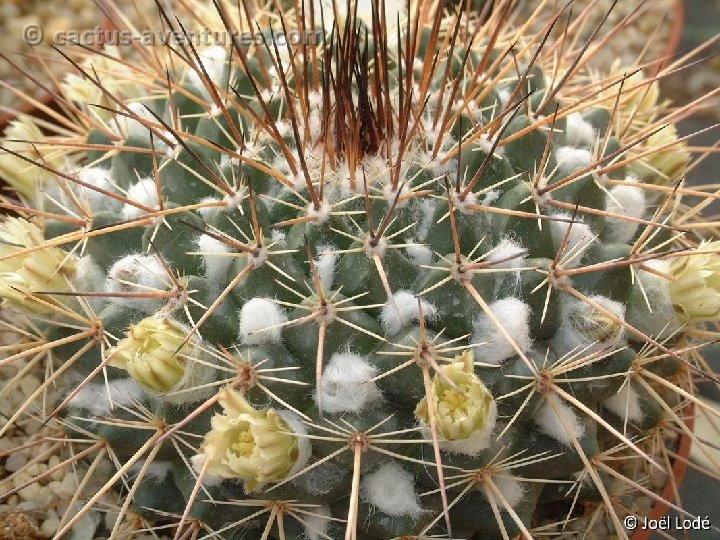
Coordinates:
[156,471]
[197,461]
[580,132]
[581,237]
[418,253]
[551,424]
[346,384]
[402,310]
[216,265]
[325,264]
[209,212]
[426,211]
[134,128]
[625,404]
[255,316]
[391,489]
[98,177]
[507,249]
[511,489]
[144,191]
[316,522]
[137,273]
[213,59]
[514,315]
[90,277]
[572,159]
[568,338]
[490,198]
[93,397]
[625,201]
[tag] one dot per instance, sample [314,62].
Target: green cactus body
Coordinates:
[291,288]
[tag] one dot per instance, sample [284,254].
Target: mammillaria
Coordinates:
[392,282]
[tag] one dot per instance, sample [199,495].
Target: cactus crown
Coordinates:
[402,281]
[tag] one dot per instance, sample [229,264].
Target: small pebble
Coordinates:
[15,462]
[60,473]
[30,493]
[50,526]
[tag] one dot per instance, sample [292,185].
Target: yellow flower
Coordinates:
[22,176]
[115,77]
[695,292]
[460,415]
[46,269]
[255,446]
[152,353]
[639,102]
[665,166]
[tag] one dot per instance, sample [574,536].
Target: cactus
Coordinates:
[410,280]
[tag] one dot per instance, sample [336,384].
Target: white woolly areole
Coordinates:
[573,312]
[579,239]
[94,399]
[511,489]
[98,177]
[625,201]
[197,461]
[134,128]
[490,197]
[209,212]
[572,159]
[144,192]
[316,522]
[157,470]
[551,424]
[215,263]
[346,384]
[257,315]
[304,447]
[321,214]
[325,265]
[213,61]
[507,254]
[137,273]
[418,253]
[90,276]
[580,132]
[402,310]
[391,489]
[625,404]
[492,345]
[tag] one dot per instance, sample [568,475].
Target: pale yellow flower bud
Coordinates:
[22,176]
[115,77]
[153,353]
[255,446]
[641,101]
[665,166]
[459,415]
[46,269]
[695,292]
[82,90]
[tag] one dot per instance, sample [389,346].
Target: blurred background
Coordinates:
[702,22]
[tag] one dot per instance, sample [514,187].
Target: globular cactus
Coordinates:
[422,277]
